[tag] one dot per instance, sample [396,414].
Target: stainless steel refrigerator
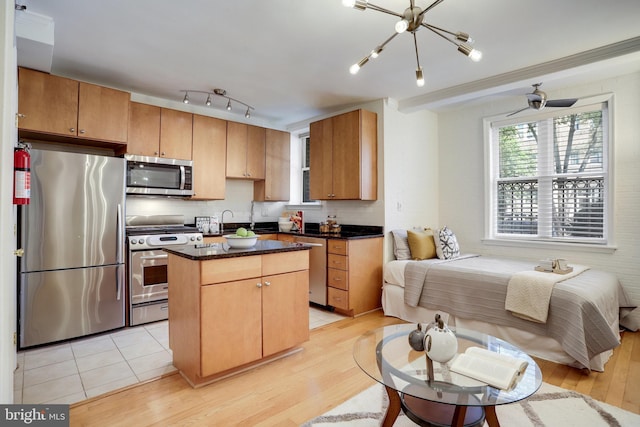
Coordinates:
[72,273]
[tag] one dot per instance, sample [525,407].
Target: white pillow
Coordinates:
[446,243]
[401,245]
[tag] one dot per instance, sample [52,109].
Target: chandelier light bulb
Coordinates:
[247,114]
[354,69]
[208,103]
[186,98]
[419,77]
[401,26]
[229,105]
[475,55]
[348,3]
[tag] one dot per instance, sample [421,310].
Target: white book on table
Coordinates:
[498,370]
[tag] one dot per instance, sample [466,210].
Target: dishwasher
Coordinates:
[317,268]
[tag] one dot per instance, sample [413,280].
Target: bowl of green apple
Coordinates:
[242,239]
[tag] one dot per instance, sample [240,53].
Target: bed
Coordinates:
[581,329]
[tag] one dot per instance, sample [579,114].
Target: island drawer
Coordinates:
[339,247]
[337,261]
[285,262]
[230,269]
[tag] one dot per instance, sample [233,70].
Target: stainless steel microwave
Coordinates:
[159,176]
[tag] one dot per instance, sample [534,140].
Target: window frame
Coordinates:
[491,150]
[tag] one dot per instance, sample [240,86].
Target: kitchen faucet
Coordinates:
[222,220]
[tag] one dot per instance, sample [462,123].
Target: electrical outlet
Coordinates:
[399,207]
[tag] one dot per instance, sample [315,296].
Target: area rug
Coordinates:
[551,406]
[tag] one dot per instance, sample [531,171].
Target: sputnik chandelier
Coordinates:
[411,20]
[221,93]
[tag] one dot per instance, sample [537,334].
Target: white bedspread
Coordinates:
[529,292]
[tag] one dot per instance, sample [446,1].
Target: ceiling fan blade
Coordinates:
[518,111]
[561,102]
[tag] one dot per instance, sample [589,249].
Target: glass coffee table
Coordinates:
[450,399]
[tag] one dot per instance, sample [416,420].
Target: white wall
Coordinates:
[410,171]
[8,135]
[462,177]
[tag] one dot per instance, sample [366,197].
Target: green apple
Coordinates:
[241,232]
[250,233]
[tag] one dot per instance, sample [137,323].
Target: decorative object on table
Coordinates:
[416,338]
[215,225]
[298,221]
[558,266]
[440,344]
[411,20]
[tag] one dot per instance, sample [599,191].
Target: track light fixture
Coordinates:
[411,20]
[217,92]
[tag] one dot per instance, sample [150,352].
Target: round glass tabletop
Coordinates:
[386,356]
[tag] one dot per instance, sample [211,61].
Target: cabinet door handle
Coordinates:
[72,129]
[21,116]
[163,153]
[259,285]
[155,153]
[267,283]
[82,131]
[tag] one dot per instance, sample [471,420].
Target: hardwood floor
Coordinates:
[293,390]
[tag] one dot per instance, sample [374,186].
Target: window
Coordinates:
[549,176]
[304,140]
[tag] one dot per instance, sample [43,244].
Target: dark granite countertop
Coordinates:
[348,232]
[204,252]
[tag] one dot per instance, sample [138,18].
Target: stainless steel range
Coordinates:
[147,263]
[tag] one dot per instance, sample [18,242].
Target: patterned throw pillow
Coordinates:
[446,243]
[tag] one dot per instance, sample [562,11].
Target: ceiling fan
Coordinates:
[538,100]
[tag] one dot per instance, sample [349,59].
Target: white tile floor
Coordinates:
[74,371]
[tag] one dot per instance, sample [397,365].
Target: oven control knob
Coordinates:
[192,238]
[134,241]
[141,241]
[199,238]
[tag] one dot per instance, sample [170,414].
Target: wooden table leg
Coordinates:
[393,409]
[458,416]
[491,417]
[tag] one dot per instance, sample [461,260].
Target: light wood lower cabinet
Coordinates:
[227,314]
[354,275]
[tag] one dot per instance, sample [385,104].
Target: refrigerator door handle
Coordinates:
[119,236]
[119,281]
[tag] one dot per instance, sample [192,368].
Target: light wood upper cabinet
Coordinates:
[159,132]
[144,130]
[343,151]
[275,186]
[245,151]
[59,106]
[209,157]
[176,131]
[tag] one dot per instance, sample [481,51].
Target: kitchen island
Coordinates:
[235,309]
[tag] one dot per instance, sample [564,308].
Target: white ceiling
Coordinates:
[289,58]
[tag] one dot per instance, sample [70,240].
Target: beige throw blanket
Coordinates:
[529,292]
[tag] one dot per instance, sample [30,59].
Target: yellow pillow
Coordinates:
[421,244]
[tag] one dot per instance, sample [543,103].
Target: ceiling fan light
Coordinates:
[186,98]
[229,105]
[401,26]
[419,77]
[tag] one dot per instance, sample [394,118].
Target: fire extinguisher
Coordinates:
[21,175]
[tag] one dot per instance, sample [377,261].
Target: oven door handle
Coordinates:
[155,256]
